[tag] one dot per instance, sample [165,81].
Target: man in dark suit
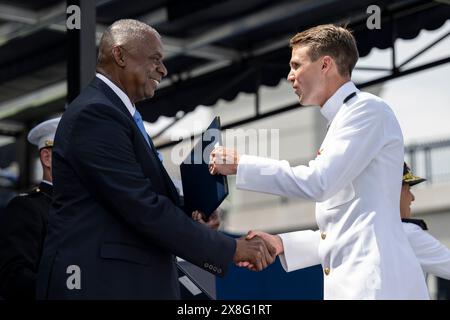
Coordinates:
[24,225]
[115,225]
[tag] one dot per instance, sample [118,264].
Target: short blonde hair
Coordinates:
[336,42]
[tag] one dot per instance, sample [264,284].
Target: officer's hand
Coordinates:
[223,161]
[270,240]
[256,252]
[214,219]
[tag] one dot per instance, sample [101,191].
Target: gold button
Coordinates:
[323,235]
[327,271]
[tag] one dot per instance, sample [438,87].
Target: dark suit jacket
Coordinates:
[22,232]
[115,213]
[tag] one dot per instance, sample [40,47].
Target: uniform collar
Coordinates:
[46,187]
[122,95]
[335,102]
[47,182]
[418,222]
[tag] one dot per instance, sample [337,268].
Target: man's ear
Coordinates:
[117,53]
[327,62]
[46,156]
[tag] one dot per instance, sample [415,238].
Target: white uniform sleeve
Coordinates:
[301,249]
[355,141]
[433,256]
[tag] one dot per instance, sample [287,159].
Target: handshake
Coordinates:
[255,251]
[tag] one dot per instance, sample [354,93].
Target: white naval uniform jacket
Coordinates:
[355,180]
[433,256]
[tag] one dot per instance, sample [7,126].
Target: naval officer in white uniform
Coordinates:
[433,256]
[355,178]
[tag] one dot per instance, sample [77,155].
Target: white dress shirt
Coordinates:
[125,99]
[433,256]
[356,182]
[122,95]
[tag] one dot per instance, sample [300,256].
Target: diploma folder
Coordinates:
[203,191]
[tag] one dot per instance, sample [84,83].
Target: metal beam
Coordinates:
[51,18]
[251,22]
[155,17]
[54,19]
[34,21]
[11,128]
[33,99]
[425,49]
[175,47]
[402,73]
[372,69]
[16,14]
[81,54]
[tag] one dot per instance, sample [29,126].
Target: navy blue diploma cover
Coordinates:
[203,191]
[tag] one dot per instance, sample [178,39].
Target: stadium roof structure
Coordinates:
[215,49]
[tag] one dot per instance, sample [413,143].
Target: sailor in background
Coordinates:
[433,256]
[23,227]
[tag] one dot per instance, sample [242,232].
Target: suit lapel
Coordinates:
[116,101]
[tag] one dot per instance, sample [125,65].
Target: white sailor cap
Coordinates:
[44,133]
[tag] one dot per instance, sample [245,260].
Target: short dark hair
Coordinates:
[337,42]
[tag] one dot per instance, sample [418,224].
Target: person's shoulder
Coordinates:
[92,94]
[374,105]
[33,193]
[91,109]
[23,200]
[28,206]
[373,101]
[366,106]
[85,101]
[410,227]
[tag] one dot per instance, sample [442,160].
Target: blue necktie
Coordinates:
[138,119]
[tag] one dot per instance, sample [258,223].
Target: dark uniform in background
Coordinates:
[22,232]
[23,226]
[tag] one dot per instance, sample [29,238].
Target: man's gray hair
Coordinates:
[125,30]
[122,32]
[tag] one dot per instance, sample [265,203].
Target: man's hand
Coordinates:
[214,219]
[254,251]
[270,240]
[223,161]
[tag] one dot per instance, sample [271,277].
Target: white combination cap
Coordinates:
[44,133]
